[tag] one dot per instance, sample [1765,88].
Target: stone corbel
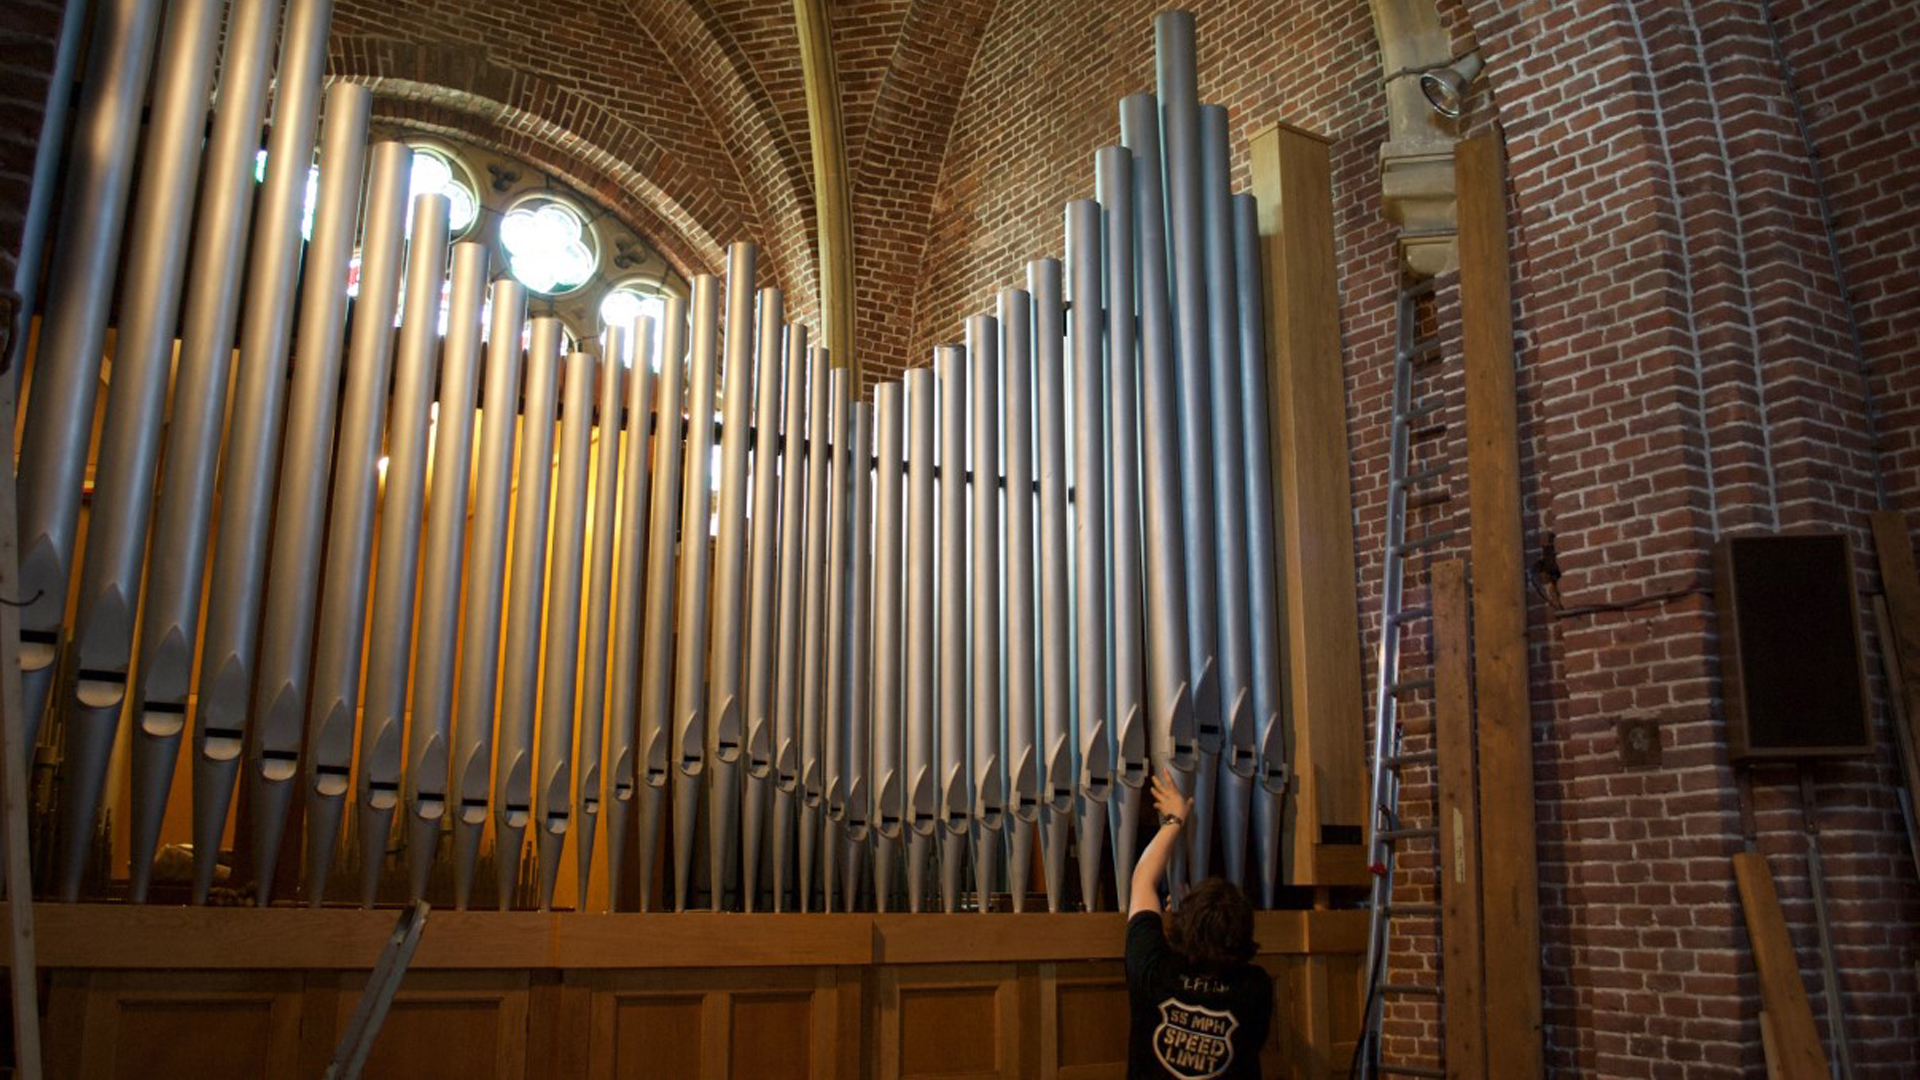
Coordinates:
[1416,163]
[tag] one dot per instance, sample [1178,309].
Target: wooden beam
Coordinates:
[833,214]
[1901,583]
[1322,838]
[1783,996]
[1461,962]
[1509,868]
[13,784]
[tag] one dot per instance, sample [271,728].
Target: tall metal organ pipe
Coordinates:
[888,651]
[833,723]
[1015,317]
[763,558]
[1086,339]
[696,552]
[956,788]
[989,775]
[821,392]
[921,803]
[857,733]
[616,345]
[795,560]
[1056,614]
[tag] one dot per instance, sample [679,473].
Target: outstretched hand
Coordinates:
[1167,798]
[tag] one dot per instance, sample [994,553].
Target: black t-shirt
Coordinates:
[1189,1025]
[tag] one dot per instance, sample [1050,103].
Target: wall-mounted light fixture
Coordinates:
[1446,87]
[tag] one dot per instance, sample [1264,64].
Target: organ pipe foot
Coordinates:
[272,797]
[36,683]
[782,847]
[1092,828]
[809,842]
[830,865]
[1206,778]
[650,800]
[376,829]
[156,746]
[216,772]
[423,839]
[953,848]
[549,849]
[753,804]
[324,811]
[918,848]
[90,733]
[466,854]
[1020,867]
[583,857]
[509,836]
[885,852]
[723,802]
[686,803]
[1055,823]
[1123,823]
[986,861]
[852,858]
[1236,792]
[619,826]
[1266,839]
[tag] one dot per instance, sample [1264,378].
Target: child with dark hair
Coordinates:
[1200,1007]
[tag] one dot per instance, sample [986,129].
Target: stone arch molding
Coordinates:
[459,90]
[1416,163]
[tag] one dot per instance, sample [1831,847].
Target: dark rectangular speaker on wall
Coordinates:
[1792,670]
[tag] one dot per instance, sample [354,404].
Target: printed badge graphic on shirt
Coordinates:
[1194,1043]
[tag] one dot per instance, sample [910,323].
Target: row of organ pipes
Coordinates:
[876,648]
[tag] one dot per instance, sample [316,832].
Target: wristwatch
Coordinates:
[1172,819]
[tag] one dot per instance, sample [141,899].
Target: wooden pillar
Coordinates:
[1322,839]
[832,206]
[1461,962]
[1510,873]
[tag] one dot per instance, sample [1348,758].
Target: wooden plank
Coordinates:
[1906,755]
[1463,1003]
[1782,992]
[1313,498]
[1509,868]
[13,783]
[1769,1045]
[1900,582]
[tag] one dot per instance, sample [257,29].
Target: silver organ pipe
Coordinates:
[794,561]
[989,777]
[277,710]
[628,603]
[1056,617]
[663,539]
[178,543]
[856,733]
[1113,184]
[689,746]
[956,789]
[834,716]
[1086,338]
[526,600]
[725,702]
[1263,553]
[822,393]
[616,345]
[334,680]
[1237,750]
[80,282]
[429,739]
[560,652]
[988,601]
[889,646]
[130,433]
[921,797]
[410,428]
[471,768]
[763,558]
[1015,316]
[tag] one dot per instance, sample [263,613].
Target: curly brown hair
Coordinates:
[1212,929]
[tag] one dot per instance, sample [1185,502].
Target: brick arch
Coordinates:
[460,92]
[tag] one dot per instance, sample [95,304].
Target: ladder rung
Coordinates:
[1414,480]
[1414,911]
[1428,540]
[1414,989]
[1418,757]
[1430,497]
[1423,349]
[1385,1069]
[1419,290]
[1407,686]
[1423,408]
[1409,614]
[1388,836]
[1430,431]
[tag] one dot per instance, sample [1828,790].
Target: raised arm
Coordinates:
[1173,808]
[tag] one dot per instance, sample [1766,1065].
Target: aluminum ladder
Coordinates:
[1417,401]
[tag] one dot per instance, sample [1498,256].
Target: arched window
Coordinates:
[548,246]
[629,301]
[434,173]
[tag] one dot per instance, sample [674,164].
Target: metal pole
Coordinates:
[1113,184]
[989,776]
[1830,974]
[560,653]
[1239,751]
[888,651]
[1056,612]
[858,807]
[623,693]
[182,507]
[725,702]
[279,702]
[1263,580]
[822,392]
[1177,79]
[335,685]
[656,664]
[956,790]
[795,562]
[764,558]
[526,606]
[1087,346]
[696,552]
[615,347]
[472,761]
[1023,757]
[130,432]
[428,738]
[80,280]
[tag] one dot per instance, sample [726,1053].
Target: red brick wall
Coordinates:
[26,56]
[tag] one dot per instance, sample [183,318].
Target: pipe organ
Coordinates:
[699,614]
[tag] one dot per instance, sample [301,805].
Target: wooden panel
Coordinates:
[1901,584]
[443,1023]
[214,1026]
[766,1032]
[1093,1028]
[655,1035]
[1292,177]
[958,1020]
[1510,874]
[1783,995]
[1460,918]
